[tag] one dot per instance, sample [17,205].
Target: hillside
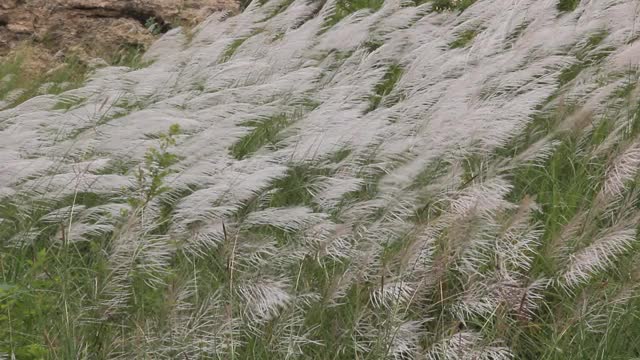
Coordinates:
[334,179]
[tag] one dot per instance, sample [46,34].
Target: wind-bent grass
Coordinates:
[18,83]
[384,88]
[463,39]
[229,51]
[345,8]
[447,5]
[497,222]
[130,56]
[567,5]
[264,132]
[68,104]
[586,57]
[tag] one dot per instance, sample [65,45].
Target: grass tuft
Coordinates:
[19,82]
[68,104]
[567,5]
[233,47]
[586,57]
[130,56]
[463,39]
[448,5]
[386,86]
[345,8]
[264,132]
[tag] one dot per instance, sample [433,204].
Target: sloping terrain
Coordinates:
[88,29]
[335,180]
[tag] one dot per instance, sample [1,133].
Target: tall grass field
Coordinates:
[331,179]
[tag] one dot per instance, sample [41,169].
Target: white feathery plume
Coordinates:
[598,256]
[448,104]
[485,198]
[263,299]
[330,191]
[286,219]
[623,169]
[329,240]
[518,242]
[392,294]
[405,340]
[467,345]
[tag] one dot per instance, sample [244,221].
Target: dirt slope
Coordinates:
[95,27]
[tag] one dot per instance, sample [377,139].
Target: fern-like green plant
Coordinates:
[156,167]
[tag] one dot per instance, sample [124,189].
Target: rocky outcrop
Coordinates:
[96,27]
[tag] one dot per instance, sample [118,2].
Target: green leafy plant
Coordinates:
[157,162]
[153,26]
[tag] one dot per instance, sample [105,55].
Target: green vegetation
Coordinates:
[153,26]
[447,5]
[50,284]
[157,163]
[373,45]
[129,56]
[21,76]
[585,57]
[282,6]
[20,83]
[365,251]
[384,88]
[463,39]
[567,5]
[264,132]
[44,270]
[231,49]
[244,4]
[68,104]
[569,188]
[345,8]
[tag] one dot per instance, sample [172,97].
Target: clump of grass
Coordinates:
[21,75]
[244,4]
[385,87]
[129,105]
[345,8]
[464,38]
[264,132]
[284,4]
[296,187]
[68,104]
[157,163]
[585,57]
[448,5]
[231,49]
[372,45]
[567,5]
[130,55]
[511,39]
[37,275]
[125,107]
[17,78]
[118,166]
